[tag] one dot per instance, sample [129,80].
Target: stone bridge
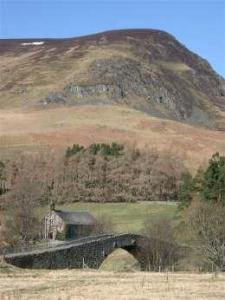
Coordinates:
[87,252]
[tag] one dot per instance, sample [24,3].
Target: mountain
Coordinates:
[139,86]
[148,70]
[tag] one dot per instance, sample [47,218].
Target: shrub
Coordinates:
[160,249]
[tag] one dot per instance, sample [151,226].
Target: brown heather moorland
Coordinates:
[35,130]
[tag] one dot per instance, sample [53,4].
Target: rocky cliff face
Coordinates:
[148,70]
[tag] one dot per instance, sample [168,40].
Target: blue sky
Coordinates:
[199,24]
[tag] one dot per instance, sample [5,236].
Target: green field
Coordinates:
[126,217]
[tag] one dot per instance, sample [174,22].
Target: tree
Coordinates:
[22,223]
[166,177]
[206,222]
[208,184]
[213,187]
[185,192]
[160,249]
[106,149]
[73,150]
[30,185]
[2,178]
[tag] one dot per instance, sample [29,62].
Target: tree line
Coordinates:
[97,173]
[118,173]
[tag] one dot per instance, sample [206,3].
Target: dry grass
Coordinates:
[120,261]
[173,66]
[96,285]
[60,127]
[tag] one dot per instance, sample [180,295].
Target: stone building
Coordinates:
[68,225]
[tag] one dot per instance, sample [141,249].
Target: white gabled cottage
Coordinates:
[68,225]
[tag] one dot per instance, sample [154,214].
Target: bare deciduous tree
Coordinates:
[206,221]
[22,223]
[160,250]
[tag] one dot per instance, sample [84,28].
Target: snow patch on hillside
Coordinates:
[33,43]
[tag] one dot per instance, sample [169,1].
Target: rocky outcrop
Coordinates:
[136,82]
[109,91]
[125,81]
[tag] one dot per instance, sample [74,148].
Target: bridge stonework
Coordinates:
[78,254]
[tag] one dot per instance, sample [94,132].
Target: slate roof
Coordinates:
[76,217]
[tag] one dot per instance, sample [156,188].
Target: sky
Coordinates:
[198,24]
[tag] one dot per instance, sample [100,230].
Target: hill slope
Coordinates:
[133,86]
[61,127]
[148,70]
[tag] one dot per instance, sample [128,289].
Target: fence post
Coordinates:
[83,264]
[212,267]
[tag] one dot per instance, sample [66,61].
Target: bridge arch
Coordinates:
[120,258]
[131,249]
